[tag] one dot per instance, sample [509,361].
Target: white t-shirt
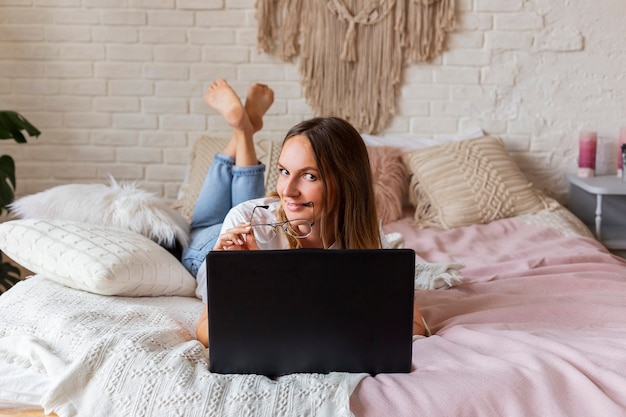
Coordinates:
[240,214]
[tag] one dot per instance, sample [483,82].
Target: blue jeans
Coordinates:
[225,186]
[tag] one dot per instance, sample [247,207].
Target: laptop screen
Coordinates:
[277,312]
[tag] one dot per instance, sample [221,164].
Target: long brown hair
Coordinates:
[342,160]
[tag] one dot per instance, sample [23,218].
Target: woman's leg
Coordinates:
[216,196]
[236,166]
[214,199]
[248,174]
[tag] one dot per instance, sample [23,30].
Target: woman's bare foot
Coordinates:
[222,98]
[260,98]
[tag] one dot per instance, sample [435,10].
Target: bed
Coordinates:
[527,309]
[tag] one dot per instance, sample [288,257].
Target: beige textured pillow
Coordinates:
[468,182]
[201,158]
[391,181]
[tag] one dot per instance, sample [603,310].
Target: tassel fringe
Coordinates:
[352,52]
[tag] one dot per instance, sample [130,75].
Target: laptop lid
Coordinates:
[276,312]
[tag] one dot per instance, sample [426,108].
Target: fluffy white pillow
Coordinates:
[99,259]
[122,205]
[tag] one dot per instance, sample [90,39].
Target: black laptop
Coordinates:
[276,312]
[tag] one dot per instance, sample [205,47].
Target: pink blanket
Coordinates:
[538,327]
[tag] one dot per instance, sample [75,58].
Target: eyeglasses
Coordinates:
[298,228]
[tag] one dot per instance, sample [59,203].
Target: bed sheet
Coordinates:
[536,327]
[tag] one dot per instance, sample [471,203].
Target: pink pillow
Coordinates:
[391,181]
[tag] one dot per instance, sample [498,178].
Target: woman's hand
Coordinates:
[239,237]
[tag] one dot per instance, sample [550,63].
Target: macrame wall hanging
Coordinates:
[352,52]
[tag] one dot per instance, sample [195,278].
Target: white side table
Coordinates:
[613,233]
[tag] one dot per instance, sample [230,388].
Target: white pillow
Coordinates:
[413,142]
[95,258]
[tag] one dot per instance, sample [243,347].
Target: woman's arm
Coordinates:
[419,324]
[202,328]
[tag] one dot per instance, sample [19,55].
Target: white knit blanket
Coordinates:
[117,356]
[122,356]
[430,276]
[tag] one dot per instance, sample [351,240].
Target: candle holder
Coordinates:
[587,149]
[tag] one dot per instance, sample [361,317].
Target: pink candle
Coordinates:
[620,141]
[587,146]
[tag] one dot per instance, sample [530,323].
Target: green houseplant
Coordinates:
[11,126]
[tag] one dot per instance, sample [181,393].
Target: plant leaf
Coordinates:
[12,124]
[7,182]
[9,275]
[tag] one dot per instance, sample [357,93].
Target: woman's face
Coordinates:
[299,181]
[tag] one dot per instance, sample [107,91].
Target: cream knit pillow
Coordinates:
[95,258]
[468,182]
[201,159]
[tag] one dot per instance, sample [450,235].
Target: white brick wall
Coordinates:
[117,86]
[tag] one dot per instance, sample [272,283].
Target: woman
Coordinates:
[324,199]
[324,176]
